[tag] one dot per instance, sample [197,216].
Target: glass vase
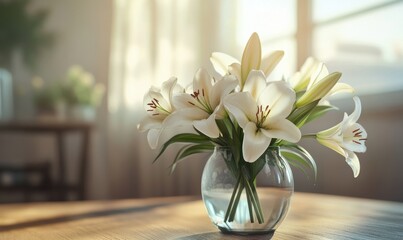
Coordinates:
[233,208]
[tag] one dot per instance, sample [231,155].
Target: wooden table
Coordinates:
[59,129]
[311,216]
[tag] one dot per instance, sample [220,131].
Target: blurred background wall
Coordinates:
[130,45]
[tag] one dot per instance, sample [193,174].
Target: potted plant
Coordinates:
[22,32]
[48,100]
[82,95]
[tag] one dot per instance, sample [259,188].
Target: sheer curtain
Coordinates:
[152,41]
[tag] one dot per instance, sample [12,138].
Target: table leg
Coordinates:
[84,159]
[61,185]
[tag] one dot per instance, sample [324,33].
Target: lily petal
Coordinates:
[235,70]
[148,123]
[183,100]
[221,61]
[357,111]
[319,73]
[356,145]
[255,83]
[283,129]
[185,116]
[208,126]
[241,106]
[332,145]
[167,88]
[251,57]
[353,162]
[338,88]
[203,82]
[331,132]
[301,79]
[220,112]
[341,88]
[280,98]
[254,143]
[222,88]
[270,62]
[152,137]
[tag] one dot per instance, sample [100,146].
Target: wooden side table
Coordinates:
[59,129]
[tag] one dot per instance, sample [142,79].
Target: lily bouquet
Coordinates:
[247,113]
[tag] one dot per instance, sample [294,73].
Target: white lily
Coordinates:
[301,79]
[158,104]
[202,106]
[264,118]
[314,78]
[346,138]
[251,60]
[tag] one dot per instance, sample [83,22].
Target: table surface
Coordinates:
[311,216]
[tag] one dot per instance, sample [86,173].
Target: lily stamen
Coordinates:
[156,106]
[261,115]
[205,106]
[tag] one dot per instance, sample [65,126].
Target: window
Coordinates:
[275,21]
[362,38]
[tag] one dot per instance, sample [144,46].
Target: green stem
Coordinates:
[251,191]
[249,200]
[236,202]
[259,207]
[311,135]
[231,202]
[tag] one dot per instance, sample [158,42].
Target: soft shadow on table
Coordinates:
[75,217]
[221,236]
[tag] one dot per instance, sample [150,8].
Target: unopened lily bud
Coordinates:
[319,90]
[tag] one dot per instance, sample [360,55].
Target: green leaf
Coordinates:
[296,161]
[299,157]
[255,167]
[189,150]
[300,115]
[193,149]
[224,128]
[183,138]
[319,111]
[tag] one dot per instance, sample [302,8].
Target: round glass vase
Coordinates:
[235,206]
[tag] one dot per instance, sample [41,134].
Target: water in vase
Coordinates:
[274,202]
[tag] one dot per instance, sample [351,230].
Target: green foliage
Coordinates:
[319,111]
[300,115]
[200,140]
[22,30]
[190,150]
[298,157]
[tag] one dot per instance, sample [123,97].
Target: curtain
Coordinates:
[152,41]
